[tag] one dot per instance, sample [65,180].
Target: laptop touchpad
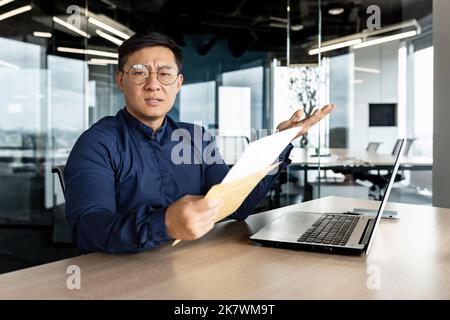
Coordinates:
[288,227]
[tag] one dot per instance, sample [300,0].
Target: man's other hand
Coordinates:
[191,217]
[297,119]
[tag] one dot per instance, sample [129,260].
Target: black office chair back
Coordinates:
[397,147]
[408,145]
[398,144]
[59,170]
[373,146]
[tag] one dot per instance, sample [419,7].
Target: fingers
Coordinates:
[207,204]
[318,115]
[291,122]
[201,223]
[298,115]
[206,216]
[191,217]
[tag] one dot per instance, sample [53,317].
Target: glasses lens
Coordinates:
[138,73]
[167,75]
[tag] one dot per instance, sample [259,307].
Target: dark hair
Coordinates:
[149,39]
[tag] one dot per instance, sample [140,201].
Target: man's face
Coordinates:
[149,101]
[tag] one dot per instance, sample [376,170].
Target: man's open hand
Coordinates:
[306,123]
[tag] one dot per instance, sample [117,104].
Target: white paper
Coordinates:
[260,154]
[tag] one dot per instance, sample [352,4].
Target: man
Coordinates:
[124,190]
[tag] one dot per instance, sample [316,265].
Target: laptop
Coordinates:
[343,233]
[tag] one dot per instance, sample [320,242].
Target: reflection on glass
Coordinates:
[197,103]
[66,112]
[22,88]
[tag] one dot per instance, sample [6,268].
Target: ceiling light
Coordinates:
[40,34]
[109,37]
[108,28]
[367,37]
[15,12]
[335,11]
[368,70]
[71,27]
[393,37]
[296,27]
[282,23]
[89,52]
[3,2]
[335,46]
[96,63]
[358,81]
[105,61]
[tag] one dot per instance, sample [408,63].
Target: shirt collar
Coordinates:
[145,129]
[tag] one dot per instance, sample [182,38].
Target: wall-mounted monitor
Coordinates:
[382,114]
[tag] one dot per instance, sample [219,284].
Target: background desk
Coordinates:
[350,160]
[412,255]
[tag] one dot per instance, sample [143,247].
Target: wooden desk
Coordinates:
[412,255]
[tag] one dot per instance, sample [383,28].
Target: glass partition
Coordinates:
[378,71]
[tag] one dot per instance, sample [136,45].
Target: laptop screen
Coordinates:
[386,195]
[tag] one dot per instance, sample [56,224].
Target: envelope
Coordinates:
[233,193]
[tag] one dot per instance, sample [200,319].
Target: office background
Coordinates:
[247,65]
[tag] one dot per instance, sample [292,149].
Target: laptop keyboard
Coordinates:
[330,229]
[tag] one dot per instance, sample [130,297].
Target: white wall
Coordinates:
[376,88]
[252,78]
[234,111]
[441,134]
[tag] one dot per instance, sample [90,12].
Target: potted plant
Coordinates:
[303,88]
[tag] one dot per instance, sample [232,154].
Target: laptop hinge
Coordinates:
[367,232]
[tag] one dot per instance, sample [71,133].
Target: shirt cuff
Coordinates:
[284,156]
[157,232]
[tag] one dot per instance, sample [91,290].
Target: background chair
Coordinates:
[379,180]
[348,174]
[59,171]
[338,137]
[373,146]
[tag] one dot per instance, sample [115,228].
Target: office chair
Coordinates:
[380,180]
[373,146]
[59,170]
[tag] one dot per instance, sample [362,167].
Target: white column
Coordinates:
[441,119]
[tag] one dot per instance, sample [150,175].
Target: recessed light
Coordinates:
[335,11]
[40,34]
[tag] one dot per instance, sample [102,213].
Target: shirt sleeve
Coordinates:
[91,207]
[216,170]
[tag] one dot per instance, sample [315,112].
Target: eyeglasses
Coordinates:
[139,74]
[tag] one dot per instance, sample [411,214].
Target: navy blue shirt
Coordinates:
[121,177]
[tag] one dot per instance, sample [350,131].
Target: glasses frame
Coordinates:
[149,73]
